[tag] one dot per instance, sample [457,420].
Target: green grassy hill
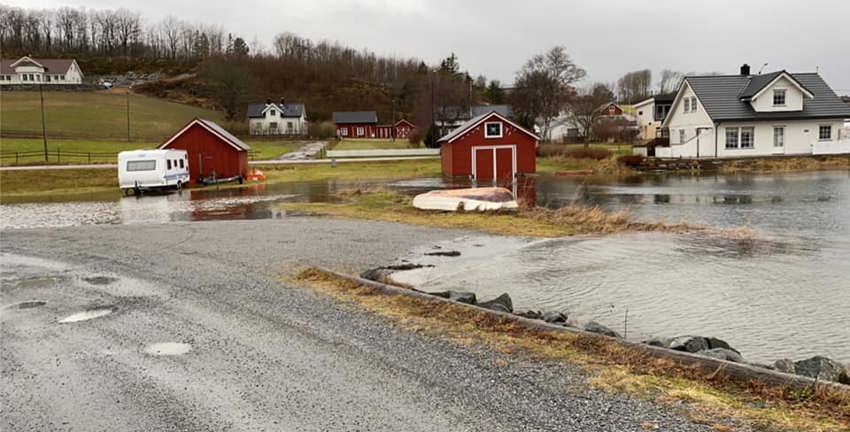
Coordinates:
[96,115]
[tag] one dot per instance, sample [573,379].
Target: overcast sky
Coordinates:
[494,38]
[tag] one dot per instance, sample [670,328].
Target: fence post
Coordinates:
[58,154]
[89,157]
[16,158]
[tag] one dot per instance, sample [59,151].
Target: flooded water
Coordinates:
[783,291]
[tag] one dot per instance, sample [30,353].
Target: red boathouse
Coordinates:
[489,147]
[213,152]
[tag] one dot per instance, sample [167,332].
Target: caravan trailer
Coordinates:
[140,170]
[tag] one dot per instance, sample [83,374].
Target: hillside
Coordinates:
[97,115]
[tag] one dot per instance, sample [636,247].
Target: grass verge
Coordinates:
[378,204]
[803,163]
[371,144]
[710,399]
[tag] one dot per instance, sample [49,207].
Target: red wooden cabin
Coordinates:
[489,147]
[401,129]
[356,124]
[212,151]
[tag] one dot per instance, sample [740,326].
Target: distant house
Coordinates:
[277,118]
[489,147]
[28,70]
[650,113]
[213,152]
[450,117]
[722,116]
[356,124]
[401,129]
[610,109]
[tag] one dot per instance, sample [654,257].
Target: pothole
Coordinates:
[31,304]
[85,315]
[100,280]
[168,348]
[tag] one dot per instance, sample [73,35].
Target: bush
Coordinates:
[323,130]
[414,138]
[631,161]
[588,153]
[432,136]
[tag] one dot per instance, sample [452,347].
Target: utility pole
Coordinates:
[392,129]
[128,112]
[43,121]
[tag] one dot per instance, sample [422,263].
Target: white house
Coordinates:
[284,118]
[28,70]
[755,115]
[650,113]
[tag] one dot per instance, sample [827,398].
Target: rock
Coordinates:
[531,314]
[458,296]
[785,365]
[723,354]
[380,274]
[713,343]
[659,342]
[473,199]
[501,303]
[689,344]
[554,317]
[822,368]
[595,327]
[444,253]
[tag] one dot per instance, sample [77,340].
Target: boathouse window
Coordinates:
[731,138]
[825,132]
[493,130]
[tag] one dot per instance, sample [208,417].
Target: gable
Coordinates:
[213,129]
[492,116]
[677,114]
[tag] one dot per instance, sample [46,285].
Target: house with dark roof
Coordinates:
[277,118]
[778,113]
[28,70]
[448,118]
[356,124]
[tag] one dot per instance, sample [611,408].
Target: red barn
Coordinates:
[489,147]
[610,109]
[212,151]
[402,130]
[356,124]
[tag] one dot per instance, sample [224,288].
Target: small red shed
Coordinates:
[489,147]
[212,151]
[356,124]
[401,129]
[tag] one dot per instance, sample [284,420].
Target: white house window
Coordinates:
[687,105]
[731,138]
[273,125]
[747,137]
[272,113]
[779,136]
[681,136]
[493,130]
[693,104]
[825,132]
[289,127]
[779,97]
[26,77]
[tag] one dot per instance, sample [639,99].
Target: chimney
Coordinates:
[281,101]
[268,101]
[745,70]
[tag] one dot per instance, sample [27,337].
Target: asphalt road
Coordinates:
[262,355]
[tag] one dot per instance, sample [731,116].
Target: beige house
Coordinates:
[28,70]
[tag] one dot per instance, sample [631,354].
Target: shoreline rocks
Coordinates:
[595,327]
[501,303]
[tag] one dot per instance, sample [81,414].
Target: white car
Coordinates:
[140,170]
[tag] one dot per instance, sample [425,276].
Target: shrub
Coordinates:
[323,130]
[631,161]
[588,153]
[414,138]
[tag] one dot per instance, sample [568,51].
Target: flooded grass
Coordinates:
[379,204]
[712,399]
[802,163]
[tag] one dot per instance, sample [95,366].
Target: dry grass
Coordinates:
[803,163]
[712,399]
[379,204]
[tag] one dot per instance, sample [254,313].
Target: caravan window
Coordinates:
[181,163]
[141,165]
[168,164]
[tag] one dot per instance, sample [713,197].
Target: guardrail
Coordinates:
[382,153]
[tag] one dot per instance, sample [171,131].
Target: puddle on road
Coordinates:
[85,315]
[31,304]
[168,348]
[100,280]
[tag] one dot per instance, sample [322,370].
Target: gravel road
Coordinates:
[261,355]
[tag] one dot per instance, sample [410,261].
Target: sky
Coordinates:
[605,37]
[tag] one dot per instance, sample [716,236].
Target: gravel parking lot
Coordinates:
[187,326]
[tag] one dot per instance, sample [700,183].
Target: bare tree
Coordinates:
[670,81]
[584,107]
[128,26]
[543,87]
[634,86]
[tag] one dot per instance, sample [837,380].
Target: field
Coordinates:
[371,144]
[94,115]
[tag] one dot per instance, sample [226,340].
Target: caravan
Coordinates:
[152,169]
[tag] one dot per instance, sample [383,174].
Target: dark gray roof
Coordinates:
[227,135]
[289,109]
[721,96]
[344,117]
[477,110]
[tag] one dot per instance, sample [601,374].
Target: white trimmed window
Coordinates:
[693,104]
[687,107]
[272,112]
[681,136]
[493,130]
[747,137]
[343,131]
[779,97]
[779,136]
[731,138]
[360,131]
[825,132]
